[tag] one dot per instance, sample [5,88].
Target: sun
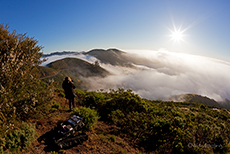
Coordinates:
[177,36]
[177,33]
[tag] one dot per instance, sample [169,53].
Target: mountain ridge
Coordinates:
[110,56]
[59,53]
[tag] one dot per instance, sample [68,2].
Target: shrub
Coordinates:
[178,121]
[202,106]
[90,116]
[106,103]
[19,56]
[56,105]
[112,138]
[116,116]
[61,94]
[2,144]
[19,139]
[94,99]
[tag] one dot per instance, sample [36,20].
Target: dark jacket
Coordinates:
[68,86]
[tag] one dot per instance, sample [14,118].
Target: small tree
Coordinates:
[21,91]
[97,63]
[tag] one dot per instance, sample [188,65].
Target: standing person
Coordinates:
[69,87]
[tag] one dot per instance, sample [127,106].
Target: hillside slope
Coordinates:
[76,69]
[46,71]
[81,67]
[195,99]
[225,104]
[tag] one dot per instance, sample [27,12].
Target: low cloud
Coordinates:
[53,58]
[161,74]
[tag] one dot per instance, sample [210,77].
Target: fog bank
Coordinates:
[161,74]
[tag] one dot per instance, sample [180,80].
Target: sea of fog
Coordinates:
[162,74]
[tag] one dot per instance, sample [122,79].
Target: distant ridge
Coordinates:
[59,53]
[193,98]
[111,56]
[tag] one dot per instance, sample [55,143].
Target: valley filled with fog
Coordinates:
[157,75]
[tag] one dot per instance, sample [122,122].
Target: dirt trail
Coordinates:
[51,75]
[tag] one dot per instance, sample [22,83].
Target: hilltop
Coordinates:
[111,56]
[129,124]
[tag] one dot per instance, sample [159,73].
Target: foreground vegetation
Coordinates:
[162,127]
[151,126]
[22,95]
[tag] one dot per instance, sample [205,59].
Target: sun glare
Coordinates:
[177,33]
[177,36]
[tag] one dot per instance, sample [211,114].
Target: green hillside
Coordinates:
[76,69]
[82,67]
[46,71]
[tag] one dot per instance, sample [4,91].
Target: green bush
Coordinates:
[18,139]
[90,116]
[94,99]
[116,116]
[61,94]
[106,103]
[22,94]
[56,105]
[160,126]
[2,144]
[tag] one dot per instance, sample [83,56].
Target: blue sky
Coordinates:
[82,25]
